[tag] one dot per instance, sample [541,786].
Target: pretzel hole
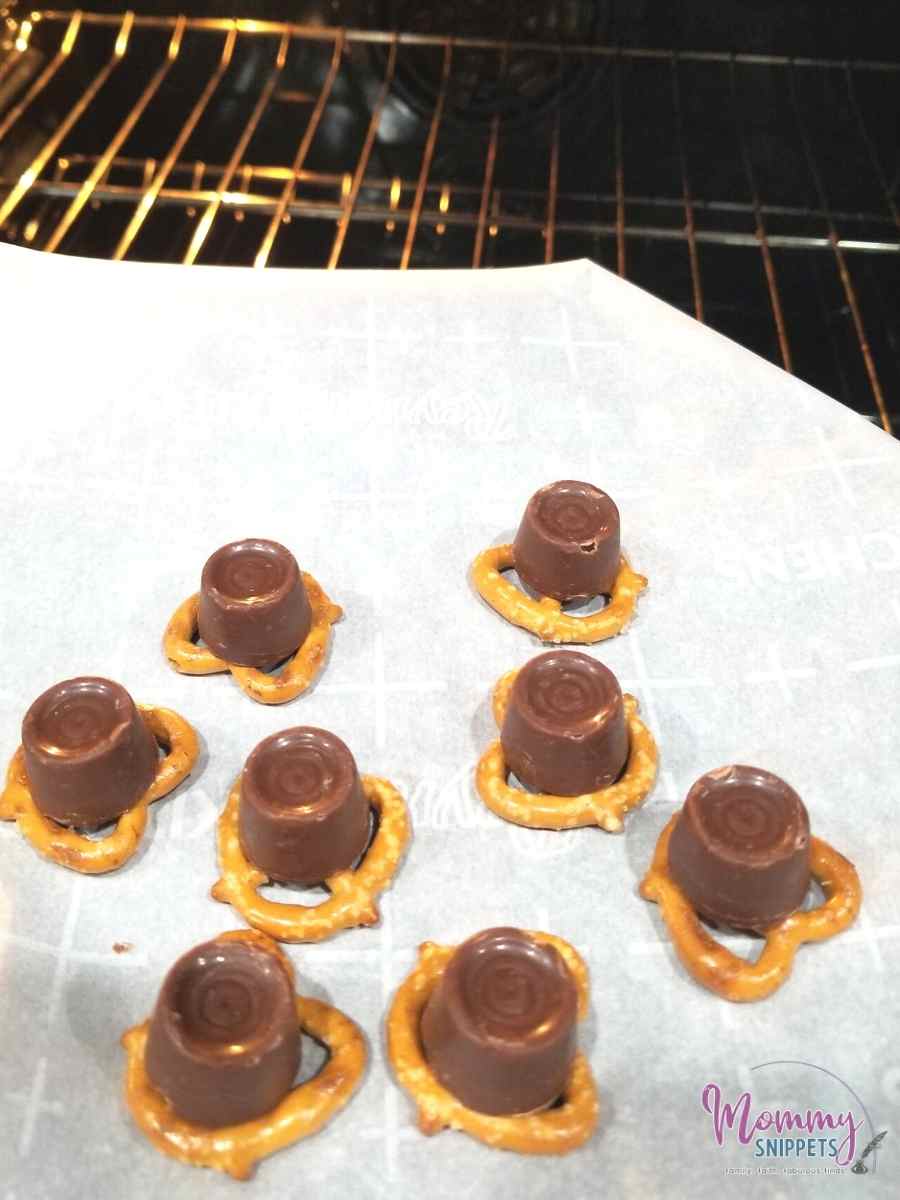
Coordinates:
[295,893]
[586,608]
[197,640]
[515,782]
[572,608]
[741,943]
[311,895]
[314,1056]
[93,835]
[374,826]
[276,668]
[163,742]
[815,897]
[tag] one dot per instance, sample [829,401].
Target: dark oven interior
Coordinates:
[739,158]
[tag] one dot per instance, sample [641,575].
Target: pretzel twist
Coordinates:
[554,1130]
[545,617]
[236,1149]
[725,973]
[93,856]
[182,651]
[539,810]
[352,893]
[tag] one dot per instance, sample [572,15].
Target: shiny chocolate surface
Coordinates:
[303,814]
[499,1028]
[568,543]
[89,754]
[224,1041]
[740,848]
[564,731]
[254,610]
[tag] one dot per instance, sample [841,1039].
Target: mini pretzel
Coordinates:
[353,892]
[725,973]
[182,651]
[545,617]
[605,807]
[96,856]
[236,1149]
[551,1131]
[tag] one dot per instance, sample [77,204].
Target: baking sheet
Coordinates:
[387,428]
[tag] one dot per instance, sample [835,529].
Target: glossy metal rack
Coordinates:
[56,186]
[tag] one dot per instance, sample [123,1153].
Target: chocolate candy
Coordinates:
[499,1028]
[303,813]
[224,1042]
[567,545]
[254,610]
[740,848]
[89,754]
[564,731]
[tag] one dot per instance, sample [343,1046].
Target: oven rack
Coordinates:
[841,222]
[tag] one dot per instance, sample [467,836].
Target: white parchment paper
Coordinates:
[387,428]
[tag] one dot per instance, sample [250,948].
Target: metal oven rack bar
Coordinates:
[55,172]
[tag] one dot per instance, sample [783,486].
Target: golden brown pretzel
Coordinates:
[87,855]
[182,651]
[552,1131]
[538,810]
[545,617]
[352,893]
[725,973]
[304,1111]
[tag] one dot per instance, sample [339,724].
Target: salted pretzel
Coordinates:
[545,617]
[723,972]
[93,856]
[538,810]
[352,893]
[556,1130]
[182,651]
[235,1149]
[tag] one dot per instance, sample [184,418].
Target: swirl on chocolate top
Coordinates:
[567,691]
[79,716]
[254,610]
[224,1045]
[227,994]
[301,769]
[89,755]
[303,814]
[575,512]
[250,570]
[565,732]
[746,821]
[499,1029]
[568,542]
[510,988]
[740,848]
